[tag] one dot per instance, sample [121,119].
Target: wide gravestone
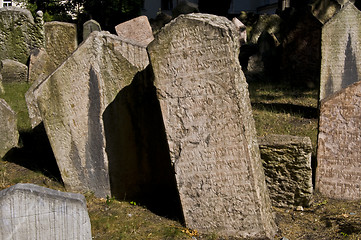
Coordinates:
[28,211]
[210,128]
[9,136]
[339,139]
[13,71]
[72,101]
[341,52]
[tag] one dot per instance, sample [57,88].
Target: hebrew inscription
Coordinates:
[210,128]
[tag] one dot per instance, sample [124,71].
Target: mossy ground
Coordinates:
[277,109]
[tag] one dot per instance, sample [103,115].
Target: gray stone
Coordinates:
[242,30]
[40,65]
[9,136]
[13,71]
[19,33]
[338,154]
[72,101]
[210,128]
[185,7]
[2,91]
[89,27]
[137,30]
[341,54]
[60,41]
[28,211]
[324,10]
[268,23]
[287,164]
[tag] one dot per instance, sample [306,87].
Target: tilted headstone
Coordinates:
[28,211]
[338,155]
[19,33]
[137,29]
[287,164]
[60,41]
[210,128]
[341,53]
[13,71]
[9,136]
[72,101]
[89,27]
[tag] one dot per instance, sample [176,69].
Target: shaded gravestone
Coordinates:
[9,136]
[287,164]
[13,71]
[28,211]
[72,101]
[341,53]
[210,128]
[19,33]
[60,41]
[338,155]
[137,29]
[89,27]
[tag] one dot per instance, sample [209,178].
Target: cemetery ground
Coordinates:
[277,109]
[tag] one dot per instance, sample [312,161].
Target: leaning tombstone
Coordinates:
[9,136]
[338,155]
[137,29]
[28,211]
[13,71]
[210,128]
[72,100]
[89,27]
[19,33]
[341,54]
[287,164]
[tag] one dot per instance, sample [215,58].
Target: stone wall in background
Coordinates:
[210,128]
[28,211]
[9,136]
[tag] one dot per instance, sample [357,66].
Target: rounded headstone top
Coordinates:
[40,13]
[18,10]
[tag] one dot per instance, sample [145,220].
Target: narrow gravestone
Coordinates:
[72,101]
[287,164]
[89,27]
[28,211]
[2,91]
[9,136]
[40,65]
[19,33]
[339,164]
[341,53]
[137,29]
[13,71]
[210,128]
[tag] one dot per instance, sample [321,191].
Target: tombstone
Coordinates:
[341,54]
[9,136]
[184,7]
[72,100]
[60,41]
[2,91]
[138,30]
[28,211]
[19,33]
[287,164]
[210,128]
[13,71]
[89,27]
[339,164]
[242,30]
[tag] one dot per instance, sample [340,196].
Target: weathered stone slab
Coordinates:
[9,136]
[89,27]
[137,29]
[341,53]
[40,65]
[287,164]
[2,91]
[19,33]
[72,101]
[60,41]
[28,211]
[210,128]
[13,71]
[339,163]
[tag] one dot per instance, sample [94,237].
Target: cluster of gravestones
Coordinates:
[168,120]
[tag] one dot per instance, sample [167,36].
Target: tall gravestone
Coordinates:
[89,27]
[72,101]
[28,211]
[339,164]
[9,136]
[19,33]
[210,128]
[341,53]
